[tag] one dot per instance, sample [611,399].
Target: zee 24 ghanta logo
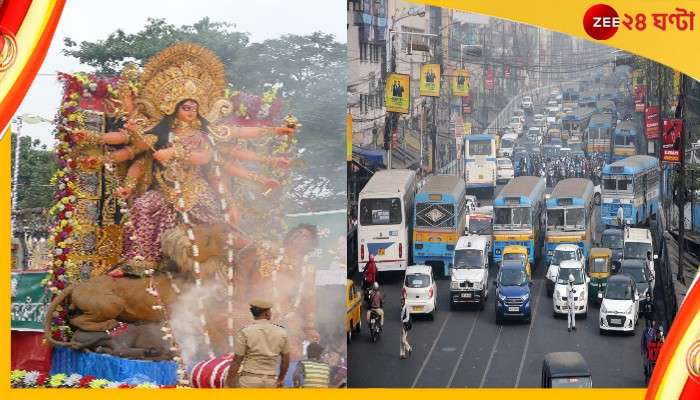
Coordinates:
[601,21]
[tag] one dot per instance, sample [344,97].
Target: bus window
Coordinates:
[555,218]
[502,216]
[624,184]
[609,184]
[522,216]
[380,211]
[479,147]
[576,217]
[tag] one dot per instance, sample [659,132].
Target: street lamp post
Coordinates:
[391,119]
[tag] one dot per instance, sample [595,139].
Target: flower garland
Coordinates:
[36,379]
[80,91]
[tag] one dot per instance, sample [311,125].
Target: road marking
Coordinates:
[430,353]
[464,349]
[529,334]
[493,352]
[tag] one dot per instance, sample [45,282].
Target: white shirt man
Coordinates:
[405,320]
[570,304]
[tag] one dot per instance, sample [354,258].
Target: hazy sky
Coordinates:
[96,19]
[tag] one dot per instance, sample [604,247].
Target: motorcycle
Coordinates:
[374,326]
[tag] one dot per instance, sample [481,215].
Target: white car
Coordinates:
[560,254]
[552,116]
[553,104]
[504,170]
[519,113]
[516,124]
[526,103]
[619,307]
[420,290]
[566,269]
[535,134]
[538,120]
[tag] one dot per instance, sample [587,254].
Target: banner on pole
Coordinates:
[671,149]
[430,80]
[651,122]
[397,93]
[460,83]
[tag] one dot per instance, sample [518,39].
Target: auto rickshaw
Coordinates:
[517,252]
[599,269]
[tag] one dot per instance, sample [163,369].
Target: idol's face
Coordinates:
[187,111]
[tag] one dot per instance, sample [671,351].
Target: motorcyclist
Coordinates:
[570,305]
[376,304]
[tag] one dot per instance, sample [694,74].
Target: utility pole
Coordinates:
[680,113]
[15,175]
[437,58]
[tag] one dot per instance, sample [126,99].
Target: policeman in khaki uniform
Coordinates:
[256,351]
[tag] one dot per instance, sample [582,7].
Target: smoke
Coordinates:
[186,323]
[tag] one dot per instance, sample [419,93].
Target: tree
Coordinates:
[36,166]
[310,68]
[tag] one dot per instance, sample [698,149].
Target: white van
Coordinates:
[637,244]
[470,272]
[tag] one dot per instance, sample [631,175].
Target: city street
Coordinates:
[465,347]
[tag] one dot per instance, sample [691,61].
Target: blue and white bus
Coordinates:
[519,216]
[385,219]
[569,215]
[439,220]
[625,140]
[633,184]
[480,163]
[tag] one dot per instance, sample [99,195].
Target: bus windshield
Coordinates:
[576,217]
[507,143]
[479,147]
[637,250]
[515,216]
[624,140]
[380,211]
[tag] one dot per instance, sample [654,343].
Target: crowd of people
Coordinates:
[554,169]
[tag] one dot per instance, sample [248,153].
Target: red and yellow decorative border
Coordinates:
[33,24]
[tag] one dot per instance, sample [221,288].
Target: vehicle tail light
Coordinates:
[362,252]
[400,250]
[403,293]
[430,293]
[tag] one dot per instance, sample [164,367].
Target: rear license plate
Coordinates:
[417,308]
[466,295]
[513,309]
[615,321]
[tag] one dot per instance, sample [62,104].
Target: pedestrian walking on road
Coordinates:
[570,305]
[405,327]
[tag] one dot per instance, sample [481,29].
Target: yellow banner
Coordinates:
[430,80]
[398,93]
[460,83]
[435,237]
